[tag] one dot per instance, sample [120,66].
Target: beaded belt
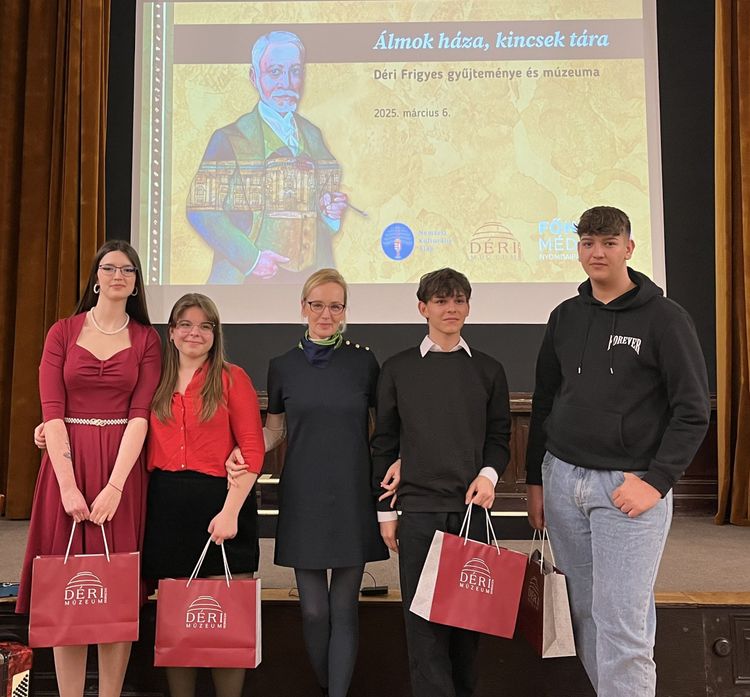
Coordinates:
[95,422]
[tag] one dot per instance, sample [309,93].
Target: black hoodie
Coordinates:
[620,386]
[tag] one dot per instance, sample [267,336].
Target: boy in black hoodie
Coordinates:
[620,407]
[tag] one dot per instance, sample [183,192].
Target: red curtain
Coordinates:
[733,258]
[53,111]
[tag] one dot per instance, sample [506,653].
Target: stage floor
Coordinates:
[703,596]
[700,557]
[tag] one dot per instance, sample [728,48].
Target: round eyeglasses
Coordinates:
[183,326]
[318,306]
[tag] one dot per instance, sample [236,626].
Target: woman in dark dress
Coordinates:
[319,396]
[97,376]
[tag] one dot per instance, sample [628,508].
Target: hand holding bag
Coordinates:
[469,584]
[208,623]
[84,598]
[544,616]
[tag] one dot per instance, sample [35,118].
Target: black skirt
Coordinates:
[180,507]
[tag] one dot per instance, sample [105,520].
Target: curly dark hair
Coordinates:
[443,283]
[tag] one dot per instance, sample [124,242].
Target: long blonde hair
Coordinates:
[212,394]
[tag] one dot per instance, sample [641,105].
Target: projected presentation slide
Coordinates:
[387,139]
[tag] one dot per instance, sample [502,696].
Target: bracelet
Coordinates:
[114,487]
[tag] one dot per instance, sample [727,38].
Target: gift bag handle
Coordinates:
[196,570]
[542,537]
[70,542]
[488,527]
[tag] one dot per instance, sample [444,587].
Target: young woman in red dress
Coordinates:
[97,377]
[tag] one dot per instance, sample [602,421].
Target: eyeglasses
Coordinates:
[184,327]
[110,269]
[317,307]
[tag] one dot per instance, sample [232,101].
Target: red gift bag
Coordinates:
[208,623]
[84,598]
[470,584]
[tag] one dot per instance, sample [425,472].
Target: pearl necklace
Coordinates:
[104,331]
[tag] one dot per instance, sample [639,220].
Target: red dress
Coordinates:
[74,383]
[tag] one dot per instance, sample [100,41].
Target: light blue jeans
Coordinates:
[610,561]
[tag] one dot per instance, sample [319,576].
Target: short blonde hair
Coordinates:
[324,276]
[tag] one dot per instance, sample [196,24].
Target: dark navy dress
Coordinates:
[327,516]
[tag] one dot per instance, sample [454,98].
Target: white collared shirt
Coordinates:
[429,345]
[283,126]
[425,347]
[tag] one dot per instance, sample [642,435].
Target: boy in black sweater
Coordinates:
[444,409]
[620,408]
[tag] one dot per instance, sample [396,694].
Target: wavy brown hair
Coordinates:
[212,394]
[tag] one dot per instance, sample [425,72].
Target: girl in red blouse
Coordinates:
[203,406]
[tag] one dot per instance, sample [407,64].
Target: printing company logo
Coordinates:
[397,241]
[85,588]
[533,594]
[494,239]
[476,576]
[205,612]
[557,240]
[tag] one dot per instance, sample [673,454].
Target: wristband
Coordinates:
[114,487]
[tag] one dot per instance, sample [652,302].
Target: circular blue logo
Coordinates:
[397,241]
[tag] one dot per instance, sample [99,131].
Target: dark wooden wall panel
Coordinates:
[694,493]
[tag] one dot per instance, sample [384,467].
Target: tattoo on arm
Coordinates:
[67,454]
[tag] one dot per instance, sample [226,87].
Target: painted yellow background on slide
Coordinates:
[505,152]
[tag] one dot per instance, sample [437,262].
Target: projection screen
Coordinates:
[388,139]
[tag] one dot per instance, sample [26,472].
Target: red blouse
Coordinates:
[187,443]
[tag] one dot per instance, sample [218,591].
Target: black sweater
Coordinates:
[620,386]
[447,415]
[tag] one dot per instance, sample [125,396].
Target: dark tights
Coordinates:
[330,623]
